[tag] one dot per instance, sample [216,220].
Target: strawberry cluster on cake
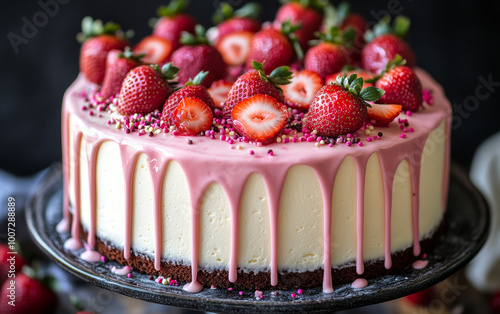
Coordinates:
[301,152]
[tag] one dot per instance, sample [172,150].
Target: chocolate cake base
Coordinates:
[262,280]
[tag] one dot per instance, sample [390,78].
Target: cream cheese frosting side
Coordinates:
[211,207]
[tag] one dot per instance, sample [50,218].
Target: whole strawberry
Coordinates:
[307,13]
[275,47]
[172,22]
[340,108]
[343,18]
[243,19]
[401,85]
[6,270]
[98,40]
[384,43]
[145,89]
[31,295]
[331,53]
[193,89]
[198,56]
[118,64]
[257,82]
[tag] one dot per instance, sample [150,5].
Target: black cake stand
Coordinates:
[466,229]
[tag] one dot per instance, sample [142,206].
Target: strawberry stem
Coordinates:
[226,11]
[127,53]
[288,29]
[400,28]
[354,85]
[93,28]
[397,61]
[198,79]
[335,36]
[199,36]
[279,76]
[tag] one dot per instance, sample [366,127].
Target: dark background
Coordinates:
[456,41]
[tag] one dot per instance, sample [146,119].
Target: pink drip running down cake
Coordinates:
[247,184]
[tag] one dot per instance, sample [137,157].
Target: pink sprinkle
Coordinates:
[425,255]
[84,108]
[405,130]
[293,294]
[129,275]
[299,291]
[330,145]
[360,144]
[403,135]
[408,113]
[258,293]
[369,139]
[252,152]
[160,280]
[348,143]
[410,129]
[222,137]
[241,292]
[103,259]
[349,135]
[99,115]
[262,297]
[230,289]
[91,113]
[401,126]
[271,153]
[259,144]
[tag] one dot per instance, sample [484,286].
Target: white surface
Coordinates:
[484,270]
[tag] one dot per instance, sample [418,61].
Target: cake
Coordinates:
[219,209]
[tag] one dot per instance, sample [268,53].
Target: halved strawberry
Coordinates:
[235,47]
[382,115]
[156,49]
[300,92]
[192,116]
[421,298]
[219,91]
[260,118]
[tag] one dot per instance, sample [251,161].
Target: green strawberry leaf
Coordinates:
[397,61]
[173,8]
[199,36]
[94,28]
[371,94]
[168,71]
[223,13]
[401,26]
[127,53]
[196,81]
[251,10]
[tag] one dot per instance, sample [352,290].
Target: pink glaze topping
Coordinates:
[233,169]
[121,271]
[420,264]
[359,283]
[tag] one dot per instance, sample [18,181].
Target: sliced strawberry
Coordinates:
[235,47]
[192,116]
[300,92]
[382,115]
[156,49]
[260,118]
[219,91]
